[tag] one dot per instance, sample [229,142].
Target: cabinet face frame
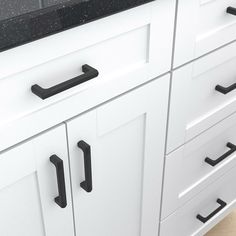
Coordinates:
[126,135]
[27,173]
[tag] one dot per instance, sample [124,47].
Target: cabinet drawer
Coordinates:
[196,104]
[127,51]
[192,167]
[202,26]
[30,183]
[184,221]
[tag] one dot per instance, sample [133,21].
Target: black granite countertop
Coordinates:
[28,20]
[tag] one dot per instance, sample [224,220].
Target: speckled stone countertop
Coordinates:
[28,20]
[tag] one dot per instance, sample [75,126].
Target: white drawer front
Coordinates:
[187,171]
[195,103]
[110,58]
[184,221]
[202,26]
[127,49]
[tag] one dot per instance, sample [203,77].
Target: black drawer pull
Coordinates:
[89,73]
[231,10]
[225,90]
[205,219]
[61,199]
[221,158]
[87,184]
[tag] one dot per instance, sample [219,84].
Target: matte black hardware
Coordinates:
[89,73]
[231,10]
[61,199]
[225,90]
[221,158]
[87,184]
[205,219]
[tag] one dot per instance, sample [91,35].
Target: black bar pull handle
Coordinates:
[221,158]
[58,163]
[87,184]
[225,90]
[231,10]
[205,219]
[89,73]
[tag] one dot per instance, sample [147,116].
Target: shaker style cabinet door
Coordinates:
[31,177]
[116,158]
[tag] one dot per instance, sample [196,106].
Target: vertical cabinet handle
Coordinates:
[221,158]
[231,10]
[205,219]
[58,163]
[225,90]
[89,73]
[87,184]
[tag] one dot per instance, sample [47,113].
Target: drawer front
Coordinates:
[202,26]
[205,105]
[210,206]
[127,51]
[191,168]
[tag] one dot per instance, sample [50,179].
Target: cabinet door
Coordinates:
[28,186]
[125,138]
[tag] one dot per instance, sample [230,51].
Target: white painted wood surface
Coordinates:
[187,173]
[202,26]
[195,104]
[126,136]
[184,222]
[28,186]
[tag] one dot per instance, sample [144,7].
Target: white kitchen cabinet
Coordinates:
[28,187]
[116,158]
[202,26]
[95,98]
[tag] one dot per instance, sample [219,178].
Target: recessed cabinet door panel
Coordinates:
[126,138]
[28,186]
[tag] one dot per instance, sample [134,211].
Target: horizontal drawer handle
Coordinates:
[89,73]
[205,219]
[231,10]
[225,90]
[221,158]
